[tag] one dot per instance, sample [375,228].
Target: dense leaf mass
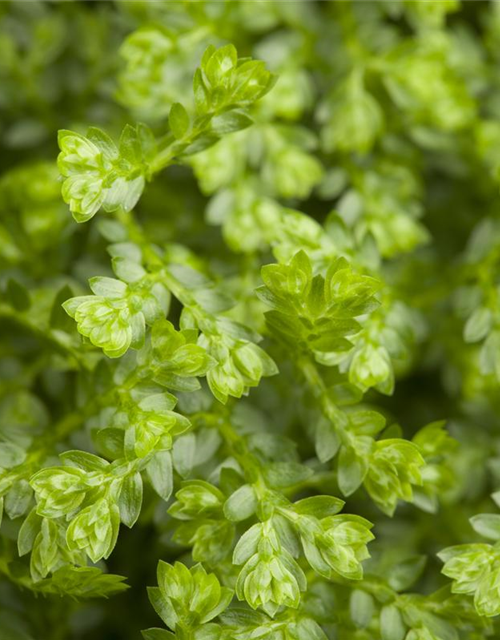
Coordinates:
[249,320]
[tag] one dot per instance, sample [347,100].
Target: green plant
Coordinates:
[250,329]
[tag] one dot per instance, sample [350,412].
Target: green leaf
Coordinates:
[197,498]
[82,583]
[84,460]
[241,504]
[183,454]
[225,81]
[95,530]
[178,120]
[230,122]
[247,545]
[128,270]
[327,441]
[130,500]
[219,62]
[98,174]
[487,525]
[11,455]
[59,490]
[337,546]
[174,601]
[108,288]
[28,532]
[354,118]
[286,474]
[18,499]
[351,470]
[160,473]
[406,573]
[319,506]
[362,608]
[395,466]
[392,626]
[478,325]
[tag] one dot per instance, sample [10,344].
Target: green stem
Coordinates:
[171,149]
[206,320]
[239,449]
[47,443]
[328,407]
[43,333]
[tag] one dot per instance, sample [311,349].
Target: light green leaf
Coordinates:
[178,120]
[130,500]
[392,626]
[487,525]
[160,473]
[241,504]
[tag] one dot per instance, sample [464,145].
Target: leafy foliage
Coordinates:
[236,366]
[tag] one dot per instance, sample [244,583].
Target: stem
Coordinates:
[241,452]
[47,443]
[45,335]
[171,149]
[206,320]
[328,407]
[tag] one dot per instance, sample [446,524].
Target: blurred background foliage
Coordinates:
[384,126]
